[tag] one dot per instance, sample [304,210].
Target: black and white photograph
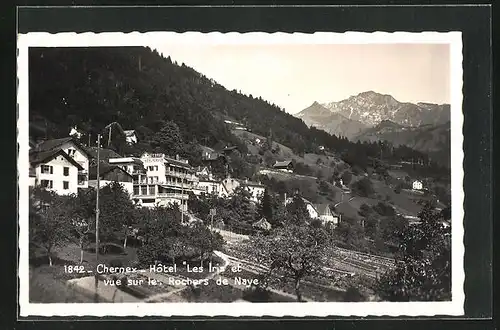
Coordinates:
[302,174]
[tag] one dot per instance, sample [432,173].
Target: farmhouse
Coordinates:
[74,150]
[255,189]
[130,136]
[325,214]
[286,166]
[417,185]
[262,224]
[55,170]
[109,174]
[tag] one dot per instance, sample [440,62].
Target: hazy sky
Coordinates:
[294,76]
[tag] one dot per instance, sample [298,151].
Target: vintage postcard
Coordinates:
[255,174]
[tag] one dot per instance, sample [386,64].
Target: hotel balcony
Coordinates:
[166,183]
[189,177]
[162,195]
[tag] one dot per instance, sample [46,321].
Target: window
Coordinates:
[46,184]
[144,190]
[81,179]
[151,190]
[71,152]
[66,171]
[156,167]
[136,190]
[65,185]
[47,169]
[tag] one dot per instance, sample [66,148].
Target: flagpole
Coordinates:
[97,219]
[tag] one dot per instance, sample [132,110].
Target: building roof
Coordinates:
[129,132]
[104,168]
[58,143]
[121,160]
[284,163]
[37,157]
[262,223]
[177,162]
[104,154]
[230,148]
[206,149]
[322,209]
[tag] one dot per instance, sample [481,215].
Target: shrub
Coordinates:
[363,187]
[353,294]
[257,294]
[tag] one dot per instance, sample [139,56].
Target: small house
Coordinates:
[262,224]
[325,214]
[417,185]
[285,166]
[109,174]
[55,170]
[130,136]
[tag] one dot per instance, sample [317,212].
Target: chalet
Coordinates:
[104,154]
[75,132]
[203,171]
[313,213]
[209,155]
[207,184]
[130,136]
[55,170]
[262,224]
[231,184]
[229,150]
[74,150]
[286,166]
[109,174]
[417,185]
[325,214]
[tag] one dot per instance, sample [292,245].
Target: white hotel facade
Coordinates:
[165,181]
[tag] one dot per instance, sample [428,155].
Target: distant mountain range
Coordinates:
[370,116]
[431,139]
[332,122]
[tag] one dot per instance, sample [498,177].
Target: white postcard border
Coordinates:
[454,307]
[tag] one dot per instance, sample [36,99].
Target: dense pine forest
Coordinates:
[141,90]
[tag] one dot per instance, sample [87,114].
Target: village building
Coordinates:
[55,171]
[166,181]
[255,189]
[130,136]
[262,224]
[285,166]
[322,212]
[104,155]
[75,132]
[109,174]
[326,215]
[417,185]
[74,150]
[208,185]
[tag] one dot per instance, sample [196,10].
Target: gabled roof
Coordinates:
[322,209]
[37,157]
[284,163]
[105,168]
[104,154]
[262,223]
[58,143]
[230,148]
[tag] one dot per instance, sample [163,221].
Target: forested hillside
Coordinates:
[141,90]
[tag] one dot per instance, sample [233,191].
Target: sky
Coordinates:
[293,76]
